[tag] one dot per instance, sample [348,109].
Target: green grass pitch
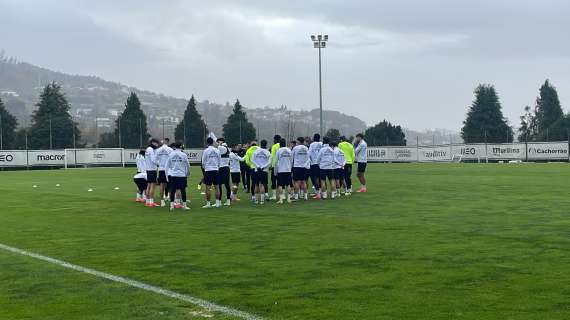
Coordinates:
[428,241]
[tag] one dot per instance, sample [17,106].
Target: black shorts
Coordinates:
[179,182]
[224,175]
[299,174]
[252,176]
[162,176]
[211,177]
[236,177]
[141,183]
[314,170]
[339,174]
[361,167]
[307,174]
[151,176]
[326,174]
[260,177]
[284,179]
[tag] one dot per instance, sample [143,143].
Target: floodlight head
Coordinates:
[316,43]
[323,44]
[320,37]
[313,37]
[326,37]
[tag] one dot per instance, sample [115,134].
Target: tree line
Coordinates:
[52,126]
[544,122]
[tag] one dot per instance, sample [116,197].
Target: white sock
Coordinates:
[262,196]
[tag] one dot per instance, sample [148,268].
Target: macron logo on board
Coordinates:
[50,157]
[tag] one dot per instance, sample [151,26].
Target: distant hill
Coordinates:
[432,137]
[96,103]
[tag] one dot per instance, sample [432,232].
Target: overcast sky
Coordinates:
[412,62]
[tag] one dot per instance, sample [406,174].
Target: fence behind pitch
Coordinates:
[532,151]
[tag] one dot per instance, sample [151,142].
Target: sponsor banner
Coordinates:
[518,151]
[194,155]
[131,156]
[547,151]
[46,158]
[506,151]
[12,158]
[95,156]
[468,151]
[438,153]
[403,154]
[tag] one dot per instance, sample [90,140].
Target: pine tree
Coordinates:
[485,121]
[192,130]
[237,128]
[8,126]
[131,128]
[385,134]
[333,134]
[108,140]
[538,125]
[548,109]
[52,125]
[560,130]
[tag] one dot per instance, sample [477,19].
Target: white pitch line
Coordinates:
[137,284]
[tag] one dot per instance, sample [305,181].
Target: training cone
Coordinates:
[116,188]
[34,186]
[57,185]
[89,190]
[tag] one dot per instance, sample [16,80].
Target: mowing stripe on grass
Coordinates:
[137,284]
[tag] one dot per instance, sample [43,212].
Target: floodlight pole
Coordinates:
[184,127]
[320,42]
[1,134]
[140,133]
[120,139]
[50,135]
[73,128]
[97,130]
[320,94]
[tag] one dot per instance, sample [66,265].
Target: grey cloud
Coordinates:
[413,62]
